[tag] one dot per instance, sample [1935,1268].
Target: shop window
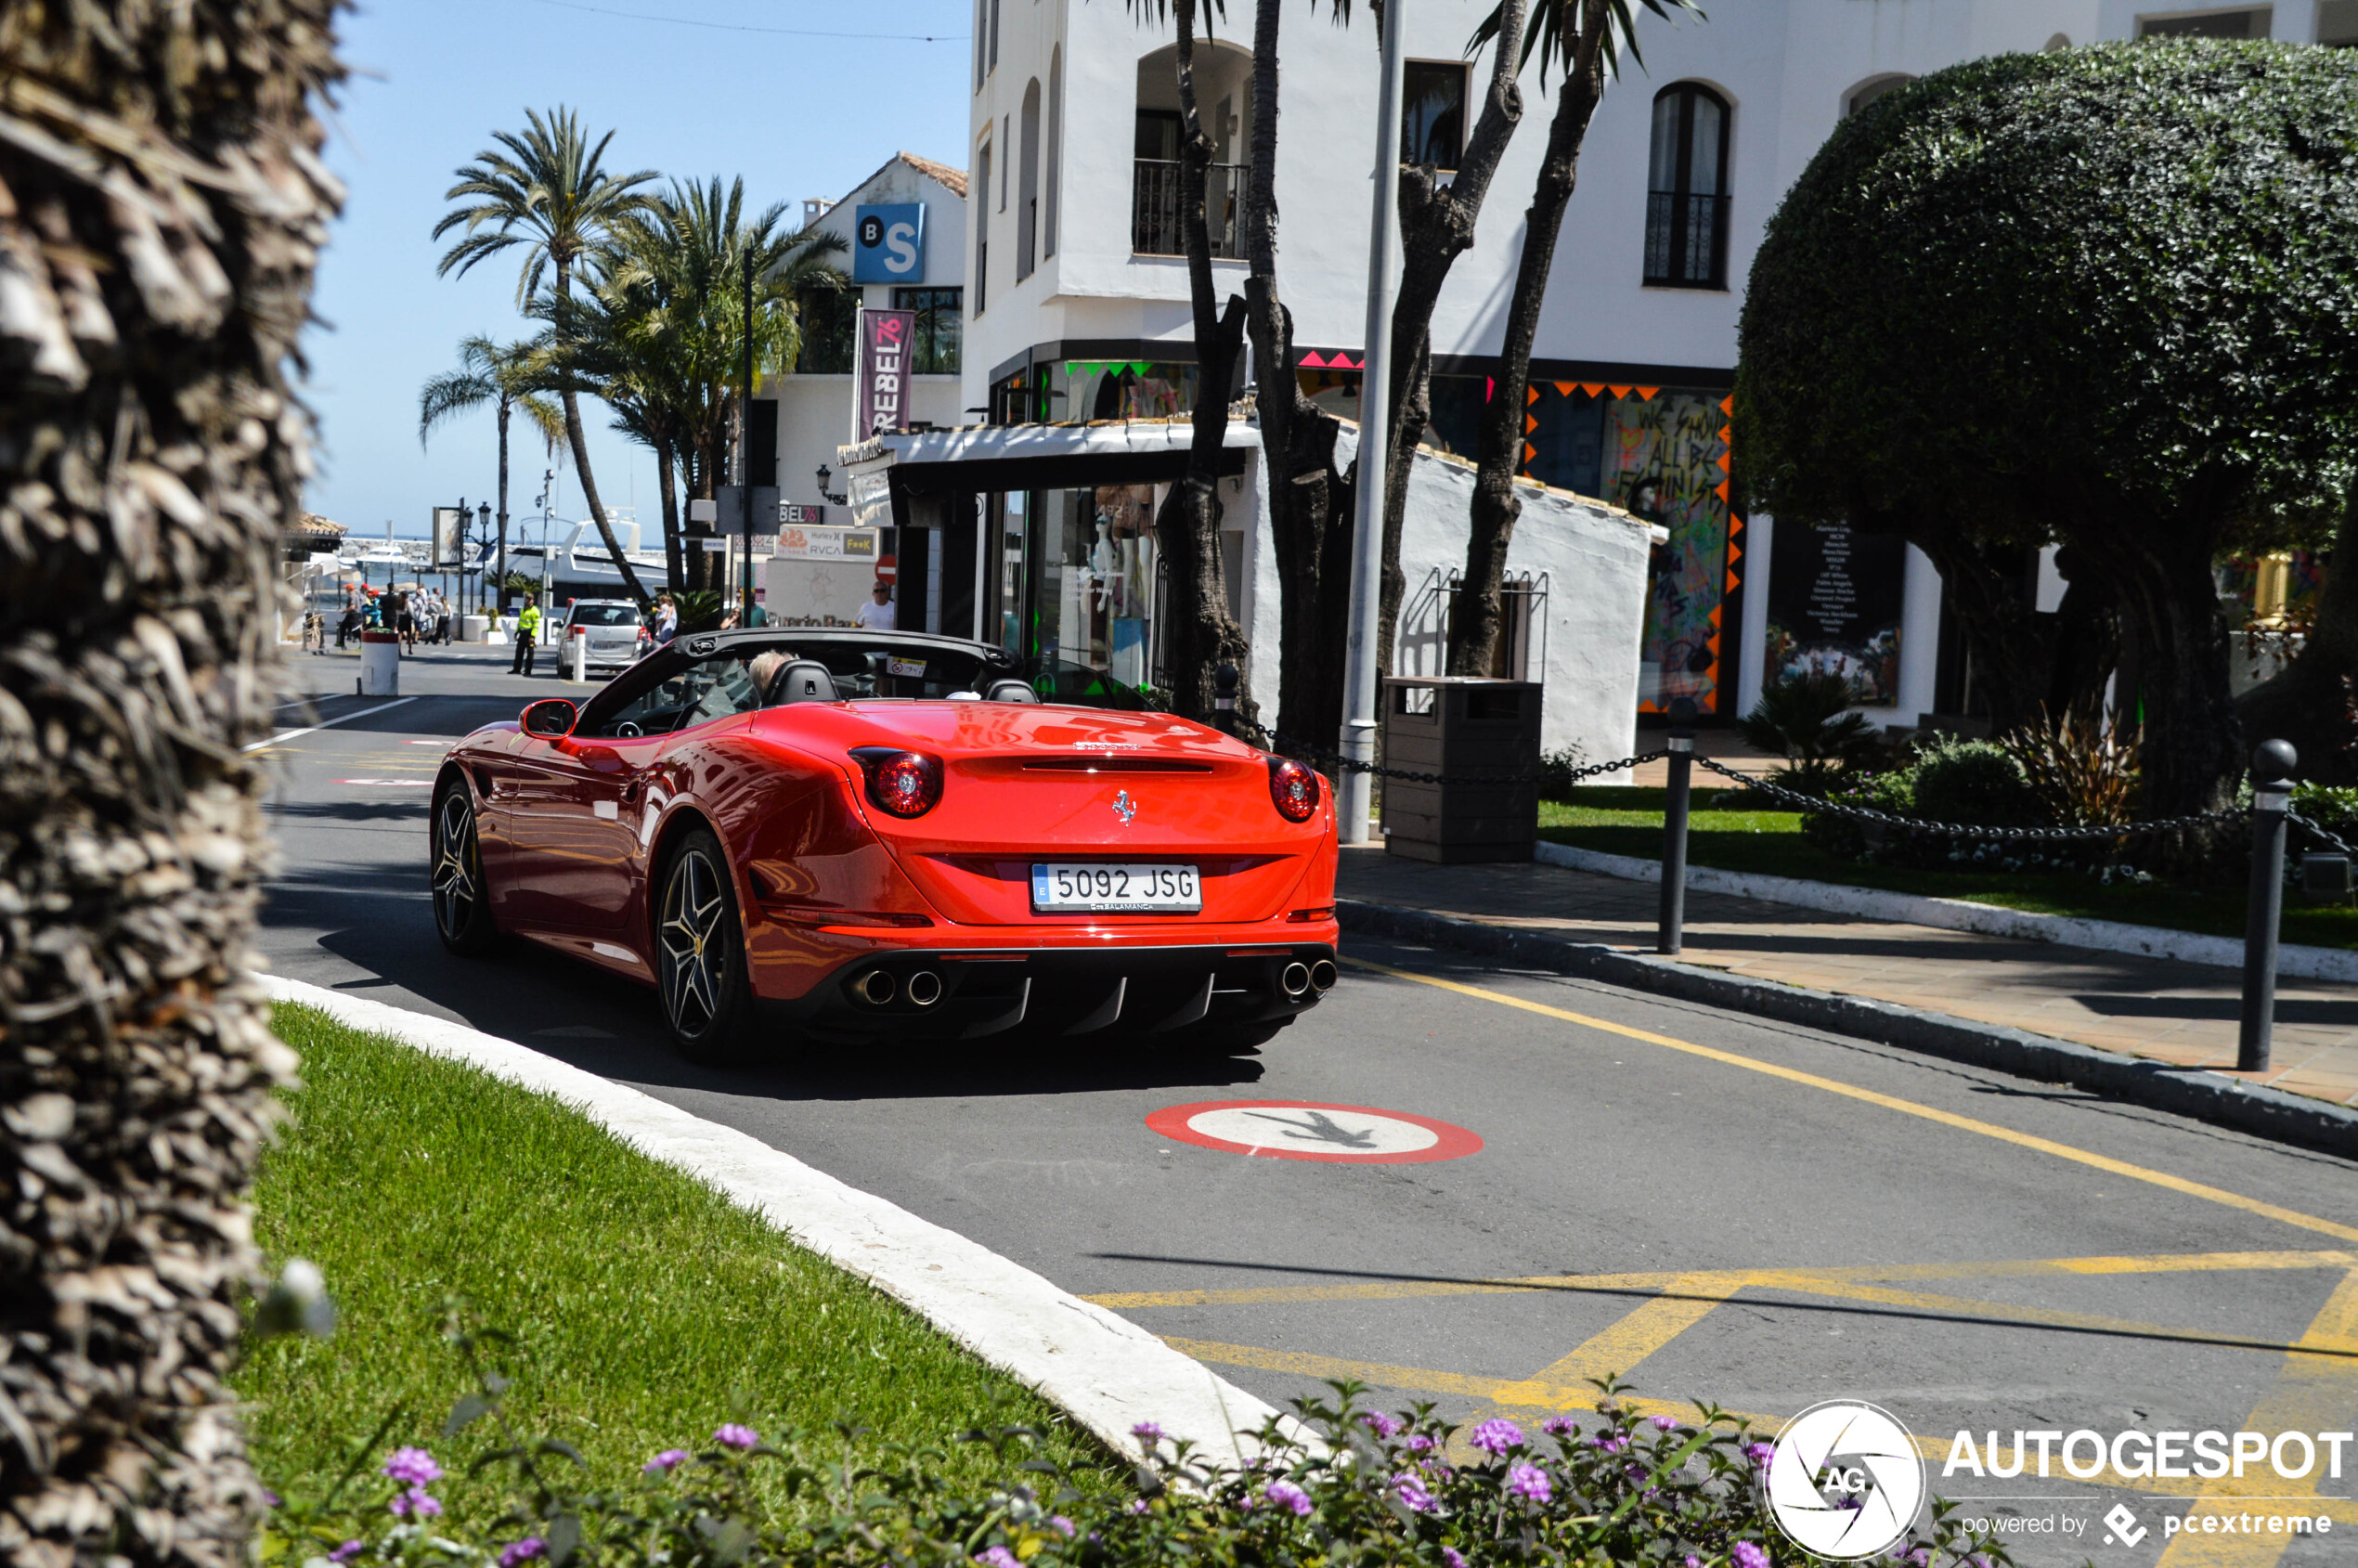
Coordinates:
[940,329]
[830,319]
[1096,579]
[1433,114]
[1687,189]
[2251,23]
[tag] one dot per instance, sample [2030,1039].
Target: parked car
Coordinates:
[618,635]
[803,837]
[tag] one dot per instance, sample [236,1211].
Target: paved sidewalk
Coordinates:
[2183,1014]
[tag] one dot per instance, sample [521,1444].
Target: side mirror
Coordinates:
[550,716]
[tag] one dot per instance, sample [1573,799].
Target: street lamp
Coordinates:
[826,474]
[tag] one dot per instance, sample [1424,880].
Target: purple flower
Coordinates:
[1061,1525]
[1664,1423]
[346,1552]
[269,1498]
[997,1556]
[665,1462]
[1450,1556]
[1744,1554]
[1759,1454]
[1529,1482]
[1496,1435]
[1137,1505]
[1692,1561]
[1417,1443]
[729,1434]
[1559,1425]
[524,1550]
[1617,1443]
[1413,1496]
[1146,1433]
[415,1502]
[1380,1424]
[412,1466]
[1284,1494]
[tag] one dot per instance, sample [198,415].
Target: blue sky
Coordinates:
[797,116]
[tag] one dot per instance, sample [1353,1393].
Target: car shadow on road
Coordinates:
[602,1023]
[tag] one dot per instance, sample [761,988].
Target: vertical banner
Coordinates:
[880,390]
[449,528]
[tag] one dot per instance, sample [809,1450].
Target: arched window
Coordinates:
[1871,89]
[982,226]
[1687,189]
[1056,149]
[1028,182]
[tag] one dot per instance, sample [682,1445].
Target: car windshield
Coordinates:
[885,668]
[604,614]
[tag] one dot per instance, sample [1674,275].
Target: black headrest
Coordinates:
[1010,691]
[801,680]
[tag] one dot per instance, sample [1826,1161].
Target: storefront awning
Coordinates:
[1041,457]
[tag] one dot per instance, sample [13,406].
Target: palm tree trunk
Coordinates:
[1310,534]
[1473,629]
[581,452]
[1436,228]
[1201,634]
[664,465]
[160,228]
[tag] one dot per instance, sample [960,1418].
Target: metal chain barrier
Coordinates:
[1965,830]
[2317,831]
[1271,741]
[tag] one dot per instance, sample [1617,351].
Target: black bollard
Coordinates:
[1223,698]
[1673,931]
[2272,766]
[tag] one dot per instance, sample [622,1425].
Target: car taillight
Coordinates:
[1294,788]
[907,783]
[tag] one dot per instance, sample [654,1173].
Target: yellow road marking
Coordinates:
[1892,1102]
[2313,1394]
[1684,1302]
[1409,1290]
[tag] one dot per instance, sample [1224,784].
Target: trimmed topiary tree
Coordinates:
[2102,296]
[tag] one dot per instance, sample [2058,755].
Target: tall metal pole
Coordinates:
[1358,742]
[2272,769]
[745,456]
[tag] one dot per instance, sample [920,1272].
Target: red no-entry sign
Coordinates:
[1314,1130]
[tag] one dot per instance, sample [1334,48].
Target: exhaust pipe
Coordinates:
[924,988]
[874,988]
[1295,978]
[1323,976]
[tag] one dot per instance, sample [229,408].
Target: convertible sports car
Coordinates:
[831,835]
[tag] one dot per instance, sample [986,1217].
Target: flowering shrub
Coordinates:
[1612,1489]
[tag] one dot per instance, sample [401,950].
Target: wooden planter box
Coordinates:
[1461,726]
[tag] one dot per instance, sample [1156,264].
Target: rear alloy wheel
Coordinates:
[462,902]
[700,956]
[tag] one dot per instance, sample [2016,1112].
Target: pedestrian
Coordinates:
[350,625]
[667,619]
[877,614]
[403,619]
[528,637]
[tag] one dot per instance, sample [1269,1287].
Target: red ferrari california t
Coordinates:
[835,836]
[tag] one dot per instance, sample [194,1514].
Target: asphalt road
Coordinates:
[1713,1206]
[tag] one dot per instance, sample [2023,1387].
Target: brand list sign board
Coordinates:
[880,391]
[1834,607]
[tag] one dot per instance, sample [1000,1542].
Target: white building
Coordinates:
[1077,306]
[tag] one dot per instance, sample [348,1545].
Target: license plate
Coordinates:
[1116,888]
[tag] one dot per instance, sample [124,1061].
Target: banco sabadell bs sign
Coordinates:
[888,243]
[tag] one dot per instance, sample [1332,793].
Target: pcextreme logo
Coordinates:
[1844,1480]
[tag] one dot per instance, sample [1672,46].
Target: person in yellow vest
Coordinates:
[528,637]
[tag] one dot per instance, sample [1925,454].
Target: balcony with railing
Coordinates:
[1156,229]
[1686,241]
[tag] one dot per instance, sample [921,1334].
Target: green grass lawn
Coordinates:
[641,1299]
[1628,822]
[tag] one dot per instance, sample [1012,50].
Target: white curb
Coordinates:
[1956,915]
[1105,1371]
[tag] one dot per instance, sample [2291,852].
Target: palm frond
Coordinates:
[1569,34]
